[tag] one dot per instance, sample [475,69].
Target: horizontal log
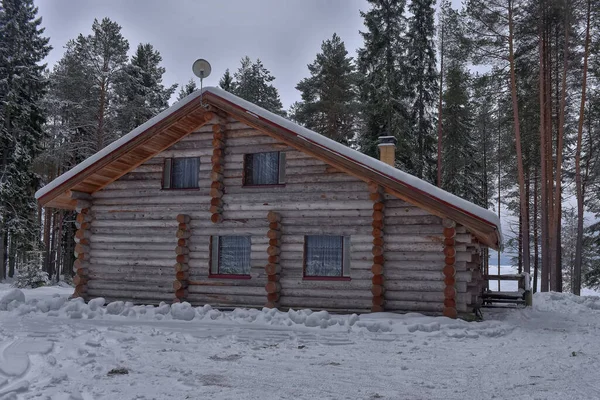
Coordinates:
[226,300]
[181,293]
[326,303]
[179,250]
[182,258]
[377,215]
[449,232]
[79,280]
[377,290]
[407,275]
[182,275]
[80,248]
[183,219]
[448,223]
[326,286]
[181,267]
[377,250]
[183,234]
[272,269]
[376,197]
[177,285]
[272,287]
[273,217]
[83,256]
[81,288]
[449,292]
[319,187]
[131,254]
[426,286]
[295,205]
[217,202]
[364,294]
[82,205]
[273,250]
[274,234]
[216,209]
[81,234]
[450,312]
[378,206]
[215,193]
[377,269]
[81,218]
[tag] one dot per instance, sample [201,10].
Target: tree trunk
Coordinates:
[517,127]
[549,165]
[536,254]
[578,180]
[3,244]
[544,287]
[12,255]
[439,125]
[557,245]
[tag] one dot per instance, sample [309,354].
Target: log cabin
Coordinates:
[218,201]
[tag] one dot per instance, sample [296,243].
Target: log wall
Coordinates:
[133,246]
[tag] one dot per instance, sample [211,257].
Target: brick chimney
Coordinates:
[387,149]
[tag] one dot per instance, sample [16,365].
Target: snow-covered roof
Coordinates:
[326,144]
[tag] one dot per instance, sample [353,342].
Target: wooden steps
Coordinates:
[507,299]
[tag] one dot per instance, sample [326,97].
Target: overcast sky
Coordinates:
[285,35]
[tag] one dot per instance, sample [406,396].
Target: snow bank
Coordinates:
[412,323]
[565,303]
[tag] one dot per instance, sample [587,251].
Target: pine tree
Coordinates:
[381,62]
[141,94]
[421,81]
[460,168]
[93,65]
[187,89]
[329,96]
[22,86]
[226,81]
[253,83]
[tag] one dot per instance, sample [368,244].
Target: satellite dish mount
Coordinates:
[201,69]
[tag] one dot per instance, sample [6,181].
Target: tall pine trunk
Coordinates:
[439,124]
[3,244]
[536,247]
[578,180]
[557,245]
[544,286]
[517,128]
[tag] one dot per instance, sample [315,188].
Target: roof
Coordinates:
[186,115]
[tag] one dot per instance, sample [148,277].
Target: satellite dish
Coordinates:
[201,68]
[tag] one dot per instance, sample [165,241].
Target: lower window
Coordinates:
[230,255]
[326,256]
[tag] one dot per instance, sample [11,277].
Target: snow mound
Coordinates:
[411,323]
[565,303]
[12,300]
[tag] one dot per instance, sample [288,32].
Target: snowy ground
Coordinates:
[54,349]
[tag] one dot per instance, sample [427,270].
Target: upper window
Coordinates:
[230,255]
[264,168]
[326,256]
[181,173]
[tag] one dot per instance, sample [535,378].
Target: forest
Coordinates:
[497,102]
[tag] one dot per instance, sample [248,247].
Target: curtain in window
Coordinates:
[262,168]
[234,255]
[185,173]
[324,255]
